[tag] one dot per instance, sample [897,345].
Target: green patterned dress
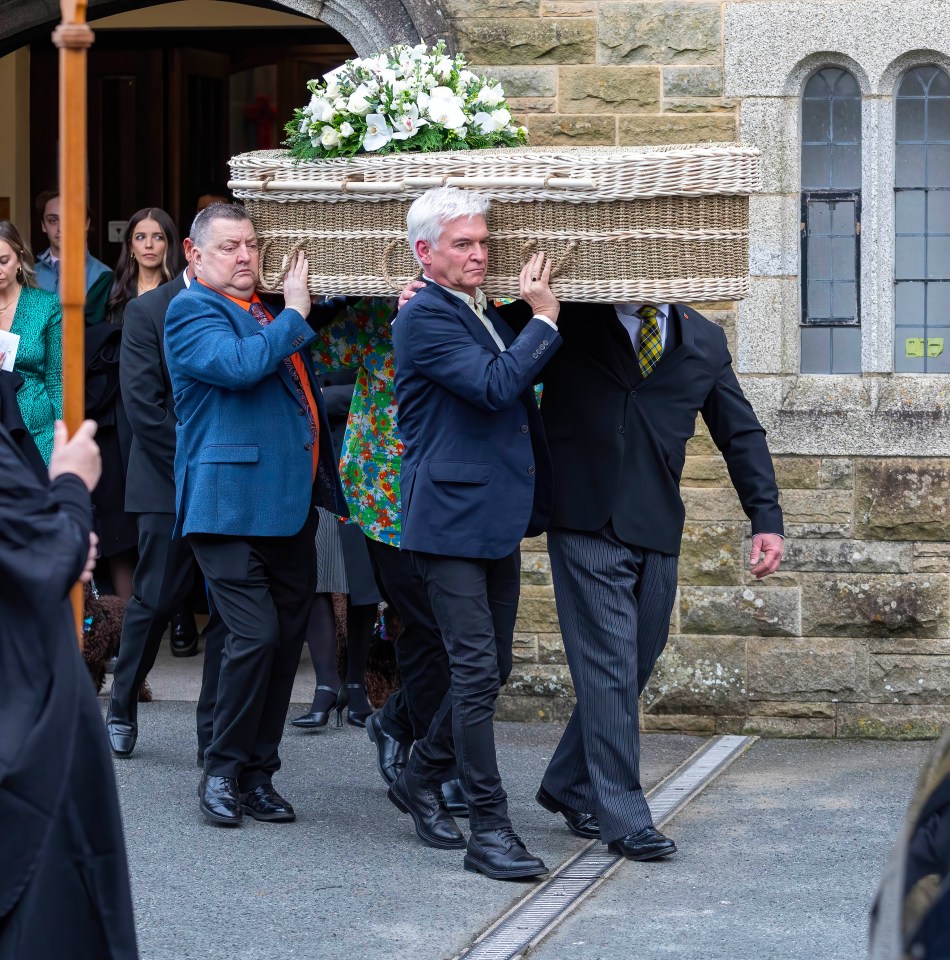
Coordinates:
[39,360]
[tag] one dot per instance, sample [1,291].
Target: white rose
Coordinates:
[501,117]
[346,130]
[358,102]
[329,138]
[490,96]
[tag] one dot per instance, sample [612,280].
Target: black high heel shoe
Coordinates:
[317,718]
[355,718]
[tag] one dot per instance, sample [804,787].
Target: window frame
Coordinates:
[847,196]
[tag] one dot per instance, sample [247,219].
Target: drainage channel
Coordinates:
[532,918]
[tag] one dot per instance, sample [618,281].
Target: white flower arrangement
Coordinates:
[406,98]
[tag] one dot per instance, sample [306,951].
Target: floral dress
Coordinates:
[361,338]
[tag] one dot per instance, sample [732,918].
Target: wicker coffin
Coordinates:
[659,224]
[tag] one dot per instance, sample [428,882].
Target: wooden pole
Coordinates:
[73,37]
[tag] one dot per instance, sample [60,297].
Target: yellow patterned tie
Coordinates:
[651,341]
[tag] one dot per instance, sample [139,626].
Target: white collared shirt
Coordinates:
[479,306]
[186,278]
[627,315]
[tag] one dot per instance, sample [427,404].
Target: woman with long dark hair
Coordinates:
[150,256]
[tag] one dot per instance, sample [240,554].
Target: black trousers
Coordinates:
[475,603]
[420,653]
[160,585]
[263,588]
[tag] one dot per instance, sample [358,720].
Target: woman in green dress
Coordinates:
[36,318]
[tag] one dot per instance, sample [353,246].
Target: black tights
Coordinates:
[321,639]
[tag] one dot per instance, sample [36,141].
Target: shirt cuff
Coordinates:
[547,320]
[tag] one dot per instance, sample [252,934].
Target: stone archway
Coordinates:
[369,25]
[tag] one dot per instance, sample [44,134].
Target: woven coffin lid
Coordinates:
[571,174]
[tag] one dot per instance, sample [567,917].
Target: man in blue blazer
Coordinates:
[476,478]
[253,457]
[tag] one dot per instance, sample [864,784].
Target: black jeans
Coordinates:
[161,584]
[420,653]
[263,588]
[475,603]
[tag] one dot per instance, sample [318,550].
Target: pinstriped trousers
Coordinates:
[614,603]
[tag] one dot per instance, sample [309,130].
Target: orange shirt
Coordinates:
[298,363]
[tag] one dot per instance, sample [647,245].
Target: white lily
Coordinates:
[378,132]
[446,108]
[407,125]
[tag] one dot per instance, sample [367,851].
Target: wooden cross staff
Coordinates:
[73,37]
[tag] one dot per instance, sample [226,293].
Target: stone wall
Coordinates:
[852,638]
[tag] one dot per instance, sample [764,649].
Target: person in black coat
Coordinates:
[64,886]
[166,568]
[620,402]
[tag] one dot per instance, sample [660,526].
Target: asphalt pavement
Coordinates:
[779,857]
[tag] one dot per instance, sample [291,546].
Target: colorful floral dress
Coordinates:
[372,449]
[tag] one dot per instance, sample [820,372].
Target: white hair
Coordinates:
[429,213]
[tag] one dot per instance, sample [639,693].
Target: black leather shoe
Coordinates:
[265,803]
[220,801]
[454,797]
[501,855]
[184,636]
[647,844]
[122,733]
[580,824]
[423,802]
[391,755]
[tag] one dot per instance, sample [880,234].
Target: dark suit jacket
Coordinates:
[618,442]
[149,402]
[476,475]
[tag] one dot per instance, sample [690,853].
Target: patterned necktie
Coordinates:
[259,313]
[651,341]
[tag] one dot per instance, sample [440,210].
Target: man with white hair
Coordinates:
[476,478]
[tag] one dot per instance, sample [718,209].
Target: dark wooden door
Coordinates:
[197,127]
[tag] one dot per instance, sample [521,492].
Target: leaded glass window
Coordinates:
[831,223]
[922,223]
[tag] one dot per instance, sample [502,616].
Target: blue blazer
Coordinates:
[243,462]
[476,474]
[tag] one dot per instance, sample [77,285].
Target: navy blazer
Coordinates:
[476,474]
[243,461]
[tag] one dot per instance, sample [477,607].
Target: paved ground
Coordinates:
[778,858]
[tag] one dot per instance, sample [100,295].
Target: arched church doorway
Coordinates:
[176,88]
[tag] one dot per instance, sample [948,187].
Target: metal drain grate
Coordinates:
[528,921]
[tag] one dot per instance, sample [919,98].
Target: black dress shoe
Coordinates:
[317,717]
[265,803]
[184,636]
[579,823]
[424,803]
[647,844]
[391,755]
[501,855]
[122,732]
[454,797]
[220,801]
